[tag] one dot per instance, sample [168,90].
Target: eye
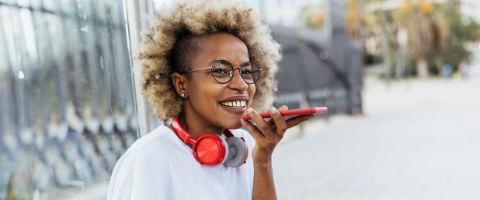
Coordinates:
[221,69]
[246,70]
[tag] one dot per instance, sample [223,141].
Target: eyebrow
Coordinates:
[217,59]
[248,62]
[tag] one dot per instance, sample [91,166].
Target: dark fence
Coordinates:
[311,74]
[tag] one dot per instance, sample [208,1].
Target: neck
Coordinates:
[197,126]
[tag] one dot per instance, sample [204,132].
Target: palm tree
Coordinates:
[427,30]
[424,23]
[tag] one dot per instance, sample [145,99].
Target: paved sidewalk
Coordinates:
[417,140]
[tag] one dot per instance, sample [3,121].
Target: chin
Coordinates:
[233,124]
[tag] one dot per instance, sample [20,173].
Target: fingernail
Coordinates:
[273,110]
[250,110]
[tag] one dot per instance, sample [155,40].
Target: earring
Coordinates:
[183,95]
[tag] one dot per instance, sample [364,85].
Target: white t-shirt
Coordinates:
[160,166]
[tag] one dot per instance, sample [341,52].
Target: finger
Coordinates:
[297,120]
[259,121]
[282,108]
[251,129]
[277,119]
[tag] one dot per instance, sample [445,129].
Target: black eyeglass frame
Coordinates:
[259,70]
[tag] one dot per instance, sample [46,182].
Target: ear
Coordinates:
[180,83]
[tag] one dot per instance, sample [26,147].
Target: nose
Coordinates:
[237,82]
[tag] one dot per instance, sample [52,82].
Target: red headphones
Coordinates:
[211,149]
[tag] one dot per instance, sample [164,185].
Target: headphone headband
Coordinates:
[185,136]
[180,131]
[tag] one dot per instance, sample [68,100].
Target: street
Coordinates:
[418,139]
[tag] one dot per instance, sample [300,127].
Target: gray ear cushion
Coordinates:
[227,150]
[237,152]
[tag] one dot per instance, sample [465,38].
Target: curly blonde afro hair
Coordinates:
[200,18]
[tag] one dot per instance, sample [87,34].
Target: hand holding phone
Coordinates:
[300,111]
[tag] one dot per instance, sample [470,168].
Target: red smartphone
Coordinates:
[300,111]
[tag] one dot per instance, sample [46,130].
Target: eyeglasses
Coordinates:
[223,71]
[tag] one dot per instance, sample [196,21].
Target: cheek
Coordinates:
[206,93]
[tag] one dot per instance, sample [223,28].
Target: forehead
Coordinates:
[222,46]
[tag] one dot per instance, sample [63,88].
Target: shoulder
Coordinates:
[146,158]
[158,143]
[160,135]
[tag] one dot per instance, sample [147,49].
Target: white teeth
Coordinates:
[235,103]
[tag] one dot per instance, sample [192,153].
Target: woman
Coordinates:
[204,65]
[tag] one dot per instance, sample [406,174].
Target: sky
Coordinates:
[471,7]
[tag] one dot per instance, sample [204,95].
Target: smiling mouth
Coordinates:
[234,106]
[234,103]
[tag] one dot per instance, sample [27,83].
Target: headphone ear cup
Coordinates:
[210,149]
[237,149]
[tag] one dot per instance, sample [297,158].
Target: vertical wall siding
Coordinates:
[66,96]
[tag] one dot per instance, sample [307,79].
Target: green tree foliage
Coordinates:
[462,32]
[437,32]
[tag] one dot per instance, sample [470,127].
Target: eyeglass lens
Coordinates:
[223,71]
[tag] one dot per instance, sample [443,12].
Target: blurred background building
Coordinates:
[69,97]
